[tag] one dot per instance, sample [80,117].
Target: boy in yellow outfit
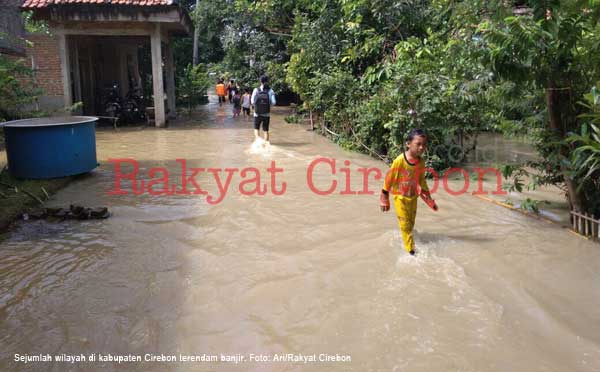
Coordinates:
[406,182]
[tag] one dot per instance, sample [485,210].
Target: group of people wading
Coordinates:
[260,102]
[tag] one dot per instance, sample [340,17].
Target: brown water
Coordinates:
[489,290]
[494,150]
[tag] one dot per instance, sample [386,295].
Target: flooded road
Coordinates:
[301,273]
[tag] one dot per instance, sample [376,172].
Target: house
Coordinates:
[94,43]
[11,29]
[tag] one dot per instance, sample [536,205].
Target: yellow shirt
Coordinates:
[403,177]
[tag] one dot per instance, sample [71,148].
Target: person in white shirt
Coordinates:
[246,103]
[262,99]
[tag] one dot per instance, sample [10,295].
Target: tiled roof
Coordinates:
[33,4]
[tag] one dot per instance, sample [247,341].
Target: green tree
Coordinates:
[385,67]
[16,88]
[554,49]
[585,158]
[193,84]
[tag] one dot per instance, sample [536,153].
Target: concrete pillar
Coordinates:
[170,66]
[63,51]
[157,77]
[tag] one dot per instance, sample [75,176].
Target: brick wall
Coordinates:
[47,63]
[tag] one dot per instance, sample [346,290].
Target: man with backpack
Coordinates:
[262,99]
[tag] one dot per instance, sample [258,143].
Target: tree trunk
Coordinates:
[561,119]
[195,58]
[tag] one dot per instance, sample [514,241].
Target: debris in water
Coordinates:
[74,212]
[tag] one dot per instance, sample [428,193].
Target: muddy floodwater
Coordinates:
[321,277]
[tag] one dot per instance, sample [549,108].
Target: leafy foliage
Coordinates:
[585,158]
[16,88]
[551,55]
[193,85]
[385,67]
[34,26]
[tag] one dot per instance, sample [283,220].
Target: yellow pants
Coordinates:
[406,210]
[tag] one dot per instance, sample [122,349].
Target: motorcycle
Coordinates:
[111,101]
[128,110]
[133,106]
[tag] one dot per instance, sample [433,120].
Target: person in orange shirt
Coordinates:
[406,182]
[220,88]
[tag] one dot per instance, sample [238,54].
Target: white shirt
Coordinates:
[246,101]
[271,98]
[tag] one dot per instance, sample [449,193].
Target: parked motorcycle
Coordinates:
[133,106]
[111,101]
[128,110]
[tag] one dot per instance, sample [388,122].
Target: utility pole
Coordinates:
[195,57]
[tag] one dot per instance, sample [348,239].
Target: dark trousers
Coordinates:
[264,120]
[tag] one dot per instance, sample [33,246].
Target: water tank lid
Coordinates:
[48,122]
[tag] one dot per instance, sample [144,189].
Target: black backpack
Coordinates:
[263,102]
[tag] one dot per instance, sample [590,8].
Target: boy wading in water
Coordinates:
[406,182]
[237,104]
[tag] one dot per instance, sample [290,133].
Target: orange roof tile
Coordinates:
[33,4]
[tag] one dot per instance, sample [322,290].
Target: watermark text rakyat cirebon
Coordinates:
[251,180]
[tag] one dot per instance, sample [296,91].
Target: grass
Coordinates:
[17,198]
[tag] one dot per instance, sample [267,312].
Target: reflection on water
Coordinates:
[490,290]
[494,150]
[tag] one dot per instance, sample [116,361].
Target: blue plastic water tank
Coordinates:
[50,147]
